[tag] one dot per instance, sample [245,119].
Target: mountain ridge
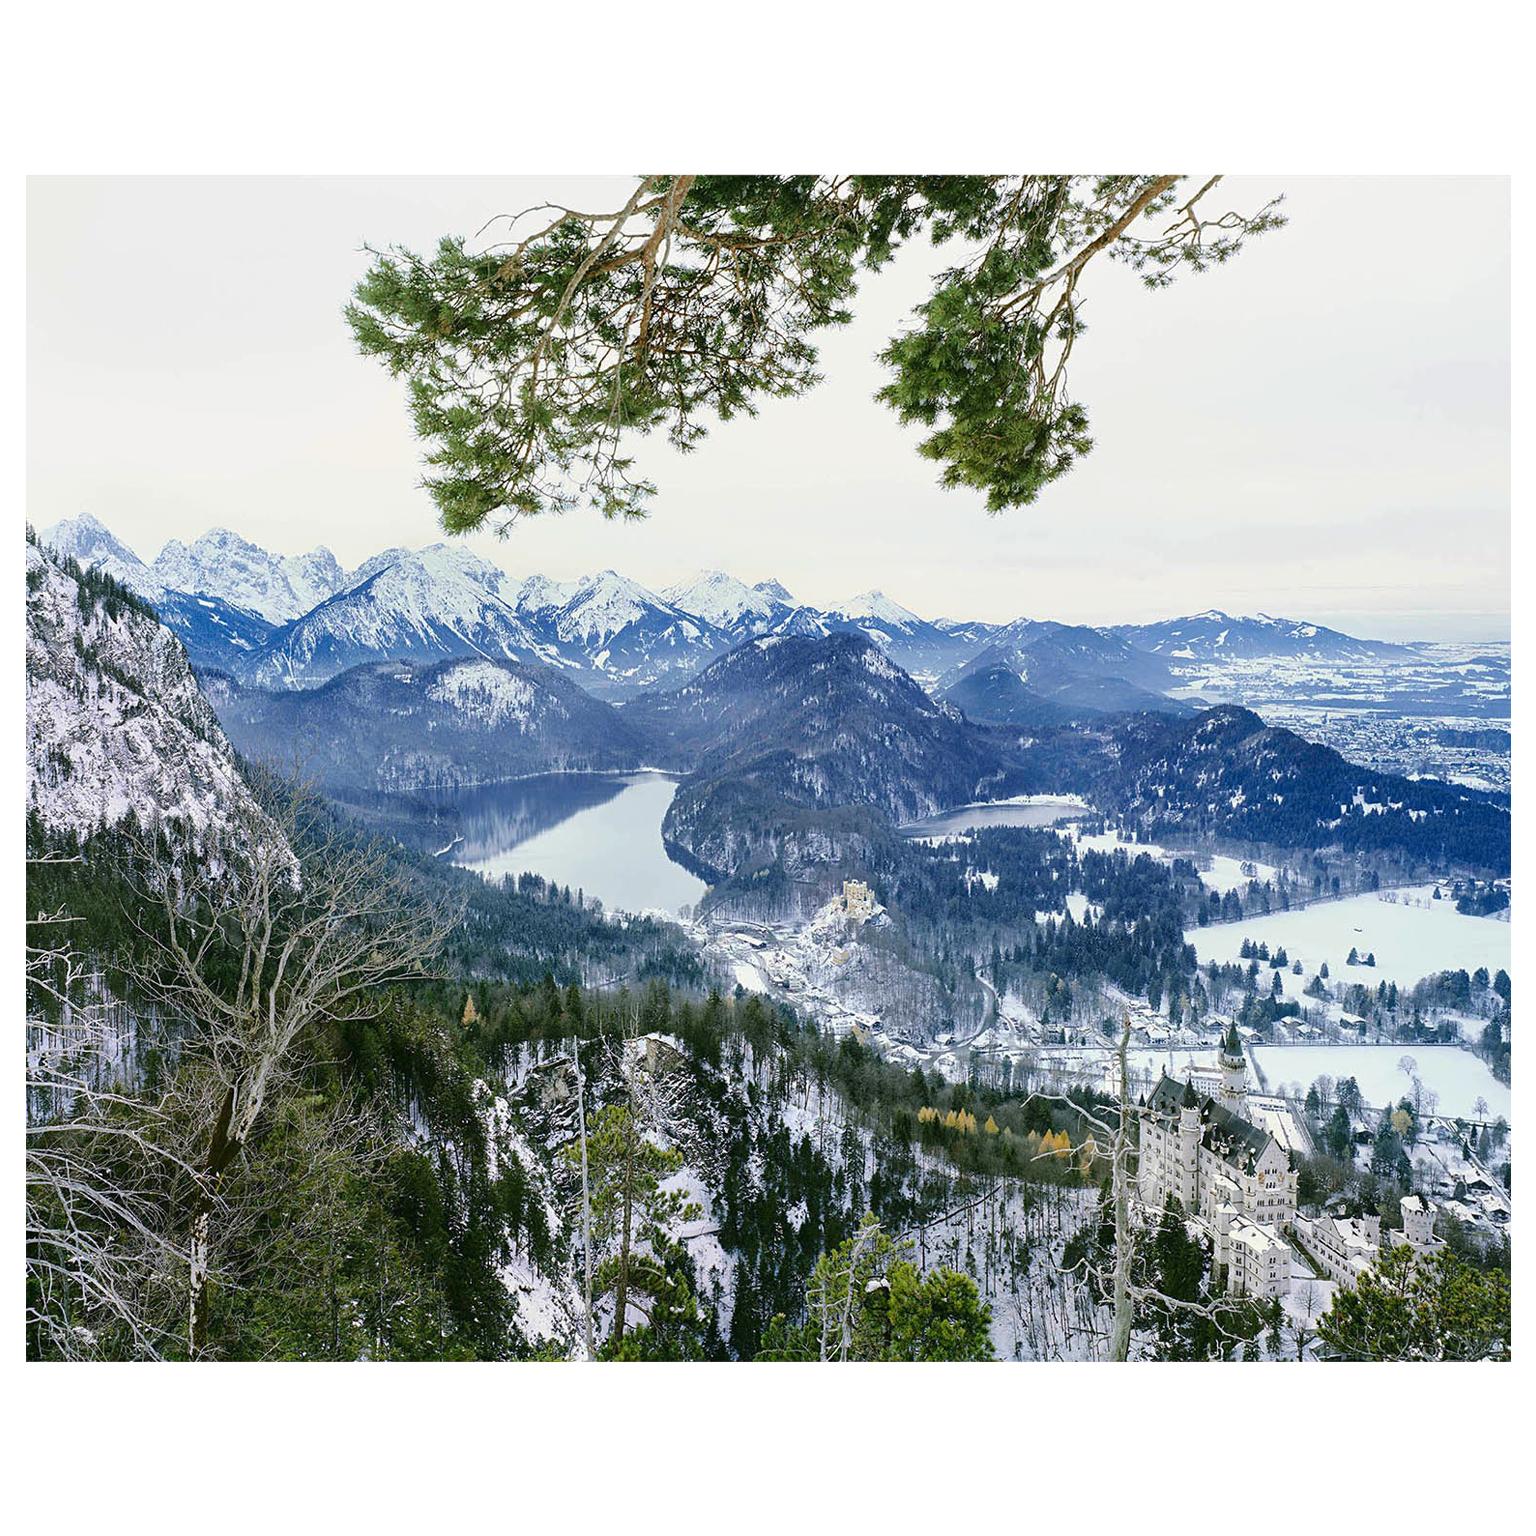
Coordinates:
[618,637]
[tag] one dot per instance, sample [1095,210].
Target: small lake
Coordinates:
[1038,811]
[599,833]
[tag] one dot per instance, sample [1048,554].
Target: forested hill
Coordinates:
[1226,774]
[794,724]
[401,725]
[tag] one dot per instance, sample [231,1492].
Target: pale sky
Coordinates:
[1319,430]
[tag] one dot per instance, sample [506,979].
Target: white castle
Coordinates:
[1226,1172]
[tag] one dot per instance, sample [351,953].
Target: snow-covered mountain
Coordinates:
[438,603]
[90,542]
[729,604]
[295,620]
[914,644]
[626,637]
[538,596]
[224,565]
[215,632]
[116,724]
[1218,636]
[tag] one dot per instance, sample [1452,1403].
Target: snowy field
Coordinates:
[1224,874]
[1095,1066]
[1411,935]
[1459,1077]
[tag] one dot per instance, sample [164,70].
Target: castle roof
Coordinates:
[1229,1136]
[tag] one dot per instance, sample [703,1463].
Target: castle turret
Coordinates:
[1234,1073]
[1187,1178]
[1418,1223]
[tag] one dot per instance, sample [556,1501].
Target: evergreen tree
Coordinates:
[701,295]
[1420,1307]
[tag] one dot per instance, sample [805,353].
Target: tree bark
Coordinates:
[1120,1335]
[586,1192]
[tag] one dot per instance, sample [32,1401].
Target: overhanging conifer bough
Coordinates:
[536,352]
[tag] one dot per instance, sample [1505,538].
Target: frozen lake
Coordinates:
[1411,935]
[595,832]
[1459,1077]
[1026,811]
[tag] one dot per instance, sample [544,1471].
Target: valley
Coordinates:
[877,896]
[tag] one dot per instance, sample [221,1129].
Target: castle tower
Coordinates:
[1187,1179]
[1234,1073]
[1418,1222]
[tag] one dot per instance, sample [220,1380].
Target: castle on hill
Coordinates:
[1225,1171]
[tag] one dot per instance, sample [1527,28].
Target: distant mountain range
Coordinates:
[295,621]
[1218,636]
[799,750]
[1031,672]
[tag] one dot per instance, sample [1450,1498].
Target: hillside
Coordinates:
[812,723]
[117,729]
[391,726]
[1226,774]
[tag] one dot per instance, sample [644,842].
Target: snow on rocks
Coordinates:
[117,727]
[490,694]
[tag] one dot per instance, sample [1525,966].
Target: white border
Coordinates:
[387,87]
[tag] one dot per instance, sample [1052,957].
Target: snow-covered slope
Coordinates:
[224,565]
[876,608]
[537,596]
[1217,636]
[438,603]
[85,539]
[915,645]
[628,637]
[726,602]
[117,727]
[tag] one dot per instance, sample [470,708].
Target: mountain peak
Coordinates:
[775,590]
[87,540]
[721,599]
[875,605]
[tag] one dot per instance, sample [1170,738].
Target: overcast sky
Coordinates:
[1319,430]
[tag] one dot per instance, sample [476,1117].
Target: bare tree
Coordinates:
[255,962]
[835,1289]
[96,1159]
[1133,1224]
[586,1194]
